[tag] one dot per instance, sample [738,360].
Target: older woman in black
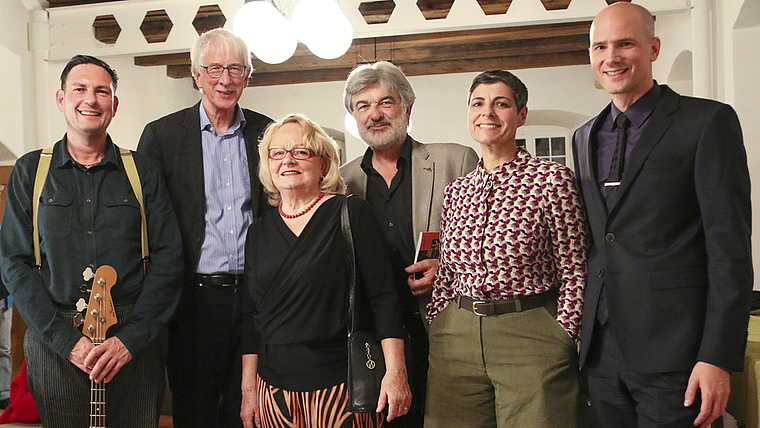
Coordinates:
[297,273]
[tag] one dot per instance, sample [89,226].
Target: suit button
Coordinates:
[600,273]
[609,237]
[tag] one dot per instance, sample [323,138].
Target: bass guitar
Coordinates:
[101,315]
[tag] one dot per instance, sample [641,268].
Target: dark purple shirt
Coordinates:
[638,113]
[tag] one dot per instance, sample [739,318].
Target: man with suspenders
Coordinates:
[72,209]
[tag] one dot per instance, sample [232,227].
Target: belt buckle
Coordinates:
[487,305]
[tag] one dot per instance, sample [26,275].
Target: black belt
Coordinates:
[78,319]
[218,279]
[497,307]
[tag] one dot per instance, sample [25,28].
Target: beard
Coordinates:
[389,138]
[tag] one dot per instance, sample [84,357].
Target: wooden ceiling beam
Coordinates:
[163,59]
[425,69]
[421,54]
[61,3]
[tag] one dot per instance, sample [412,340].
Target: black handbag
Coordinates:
[366,364]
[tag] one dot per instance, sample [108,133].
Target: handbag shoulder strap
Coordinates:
[43,166]
[345,222]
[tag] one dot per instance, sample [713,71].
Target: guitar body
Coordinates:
[101,315]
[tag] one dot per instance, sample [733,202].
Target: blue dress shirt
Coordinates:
[228,196]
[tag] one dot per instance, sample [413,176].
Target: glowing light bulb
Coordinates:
[269,35]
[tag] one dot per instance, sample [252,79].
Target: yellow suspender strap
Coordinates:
[39,182]
[43,166]
[134,180]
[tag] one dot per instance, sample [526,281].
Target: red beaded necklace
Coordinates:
[305,210]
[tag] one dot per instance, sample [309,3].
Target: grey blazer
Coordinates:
[434,165]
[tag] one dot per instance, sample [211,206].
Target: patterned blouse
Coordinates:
[515,231]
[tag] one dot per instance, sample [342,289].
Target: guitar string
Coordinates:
[97,389]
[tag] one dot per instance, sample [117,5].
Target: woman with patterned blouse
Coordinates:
[508,295]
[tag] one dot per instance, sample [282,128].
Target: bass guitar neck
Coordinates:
[101,315]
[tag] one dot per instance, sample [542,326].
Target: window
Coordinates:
[546,142]
[552,148]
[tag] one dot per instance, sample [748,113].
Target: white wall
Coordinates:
[17,120]
[675,32]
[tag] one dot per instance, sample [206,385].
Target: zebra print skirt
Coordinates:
[325,408]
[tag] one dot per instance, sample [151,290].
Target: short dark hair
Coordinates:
[87,59]
[519,90]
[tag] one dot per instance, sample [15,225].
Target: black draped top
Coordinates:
[296,310]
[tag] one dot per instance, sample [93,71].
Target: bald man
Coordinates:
[667,192]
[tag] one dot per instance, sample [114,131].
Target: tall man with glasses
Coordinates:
[208,156]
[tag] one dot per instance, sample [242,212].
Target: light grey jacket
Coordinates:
[434,165]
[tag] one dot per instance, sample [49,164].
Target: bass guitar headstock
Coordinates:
[101,313]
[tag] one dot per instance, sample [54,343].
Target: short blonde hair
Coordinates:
[314,138]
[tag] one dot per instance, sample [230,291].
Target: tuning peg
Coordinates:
[87,274]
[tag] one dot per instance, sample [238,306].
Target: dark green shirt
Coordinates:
[90,217]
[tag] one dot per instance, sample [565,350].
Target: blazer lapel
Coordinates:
[190,156]
[360,185]
[251,136]
[587,150]
[596,208]
[423,179]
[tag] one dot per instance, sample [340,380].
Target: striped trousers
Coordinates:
[62,391]
[325,408]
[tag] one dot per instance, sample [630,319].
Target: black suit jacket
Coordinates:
[174,143]
[674,252]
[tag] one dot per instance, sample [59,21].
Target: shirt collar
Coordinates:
[110,156]
[405,156]
[640,110]
[522,157]
[239,121]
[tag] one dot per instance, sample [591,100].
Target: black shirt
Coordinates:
[393,208]
[296,310]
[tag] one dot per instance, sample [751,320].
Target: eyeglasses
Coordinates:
[215,71]
[299,154]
